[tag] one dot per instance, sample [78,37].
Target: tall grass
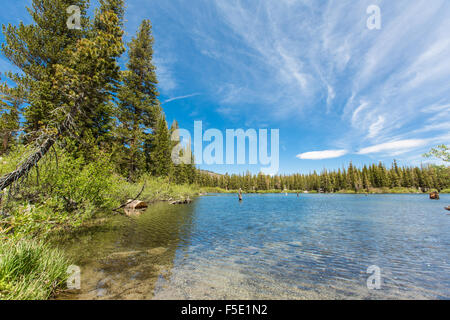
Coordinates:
[30,270]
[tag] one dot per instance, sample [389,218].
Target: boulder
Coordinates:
[434,195]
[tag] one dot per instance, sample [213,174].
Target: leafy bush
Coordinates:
[62,190]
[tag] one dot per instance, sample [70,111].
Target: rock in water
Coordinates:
[434,195]
[135,207]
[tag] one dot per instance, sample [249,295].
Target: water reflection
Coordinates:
[124,258]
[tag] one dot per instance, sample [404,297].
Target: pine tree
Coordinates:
[11,103]
[366,184]
[395,175]
[138,105]
[161,161]
[37,49]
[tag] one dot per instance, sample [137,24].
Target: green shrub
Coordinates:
[61,191]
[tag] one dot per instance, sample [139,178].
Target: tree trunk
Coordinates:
[5,141]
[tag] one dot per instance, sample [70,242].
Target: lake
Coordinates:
[271,246]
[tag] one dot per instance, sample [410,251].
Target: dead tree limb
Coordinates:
[36,156]
[135,198]
[29,163]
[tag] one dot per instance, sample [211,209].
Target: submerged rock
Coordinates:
[124,254]
[157,251]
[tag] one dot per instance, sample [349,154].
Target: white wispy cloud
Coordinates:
[181,97]
[376,127]
[395,147]
[166,78]
[320,155]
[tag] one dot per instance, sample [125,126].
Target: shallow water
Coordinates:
[316,246]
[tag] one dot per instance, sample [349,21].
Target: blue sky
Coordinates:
[336,90]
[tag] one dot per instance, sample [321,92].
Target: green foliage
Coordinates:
[156,189]
[62,191]
[67,76]
[37,49]
[30,270]
[161,157]
[138,106]
[11,102]
[441,152]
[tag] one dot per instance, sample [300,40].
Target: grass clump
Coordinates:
[30,270]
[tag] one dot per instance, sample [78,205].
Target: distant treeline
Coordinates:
[352,178]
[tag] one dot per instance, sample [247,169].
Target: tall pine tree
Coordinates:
[139,107]
[161,158]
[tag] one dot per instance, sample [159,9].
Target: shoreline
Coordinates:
[300,192]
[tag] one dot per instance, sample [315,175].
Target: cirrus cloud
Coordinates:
[394,146]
